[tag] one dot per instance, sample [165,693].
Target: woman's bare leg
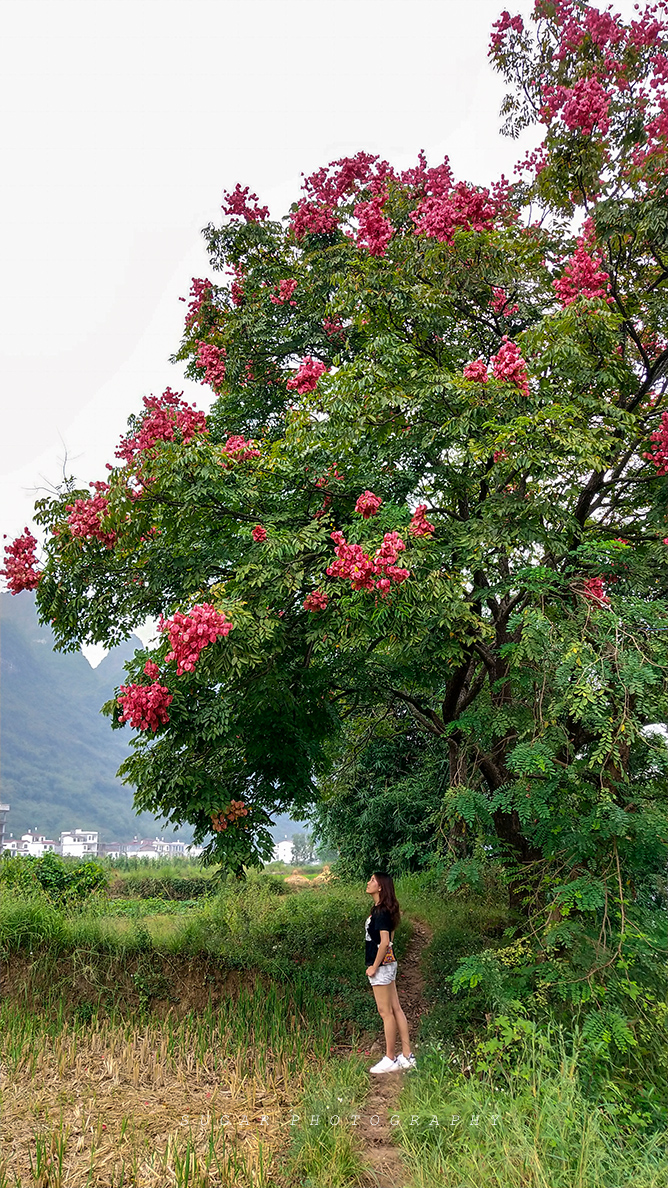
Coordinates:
[401,1020]
[383,997]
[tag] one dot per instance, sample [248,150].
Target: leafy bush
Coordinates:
[65,883]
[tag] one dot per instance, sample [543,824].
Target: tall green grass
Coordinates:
[533,1127]
[324,1151]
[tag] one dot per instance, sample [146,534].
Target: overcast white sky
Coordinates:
[124,121]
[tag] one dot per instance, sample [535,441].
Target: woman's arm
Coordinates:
[382,950]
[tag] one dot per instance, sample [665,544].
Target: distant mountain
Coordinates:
[58,754]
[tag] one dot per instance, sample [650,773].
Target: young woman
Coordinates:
[382,971]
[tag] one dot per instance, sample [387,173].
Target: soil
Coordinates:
[375,1132]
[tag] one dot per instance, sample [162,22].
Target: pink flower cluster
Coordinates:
[333,329]
[145,706]
[164,414]
[238,449]
[86,516]
[341,179]
[151,670]
[583,107]
[20,562]
[240,203]
[200,292]
[509,366]
[502,26]
[583,275]
[419,525]
[658,454]
[284,291]
[259,533]
[237,285]
[313,218]
[594,591]
[316,601]
[306,378]
[438,215]
[476,371]
[213,359]
[501,303]
[189,634]
[365,572]
[367,505]
[375,231]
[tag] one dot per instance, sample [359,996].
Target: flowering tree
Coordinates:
[431,485]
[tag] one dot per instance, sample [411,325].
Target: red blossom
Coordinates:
[658,453]
[200,293]
[365,572]
[163,415]
[311,218]
[504,23]
[316,601]
[240,203]
[476,371]
[85,519]
[419,525]
[594,591]
[508,365]
[237,285]
[333,329]
[475,209]
[306,378]
[237,449]
[189,634]
[583,275]
[349,175]
[284,291]
[583,107]
[375,231]
[501,303]
[259,533]
[367,505]
[212,358]
[145,706]
[151,670]
[20,563]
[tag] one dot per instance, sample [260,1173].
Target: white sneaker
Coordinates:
[406,1061]
[385,1066]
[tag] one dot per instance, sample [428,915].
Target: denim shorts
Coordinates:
[384,974]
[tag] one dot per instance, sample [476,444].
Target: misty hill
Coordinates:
[58,754]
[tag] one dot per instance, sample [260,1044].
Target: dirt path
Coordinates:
[375,1132]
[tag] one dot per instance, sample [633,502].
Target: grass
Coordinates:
[534,1129]
[324,1152]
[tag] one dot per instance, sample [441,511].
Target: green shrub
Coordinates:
[64,882]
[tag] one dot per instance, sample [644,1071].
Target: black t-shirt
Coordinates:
[379,921]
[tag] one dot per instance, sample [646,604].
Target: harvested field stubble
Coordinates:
[205,1100]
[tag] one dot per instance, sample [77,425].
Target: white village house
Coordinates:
[33,845]
[79,843]
[283,851]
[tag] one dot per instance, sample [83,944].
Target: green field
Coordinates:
[149,1040]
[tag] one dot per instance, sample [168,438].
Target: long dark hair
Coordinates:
[388,899]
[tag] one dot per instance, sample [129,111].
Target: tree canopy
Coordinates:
[424,524]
